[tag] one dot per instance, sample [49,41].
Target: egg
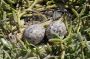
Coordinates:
[34,33]
[56,28]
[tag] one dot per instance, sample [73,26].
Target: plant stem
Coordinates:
[63,54]
[63,50]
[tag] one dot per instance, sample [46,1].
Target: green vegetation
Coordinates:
[76,44]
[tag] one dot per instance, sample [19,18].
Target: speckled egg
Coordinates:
[34,33]
[56,27]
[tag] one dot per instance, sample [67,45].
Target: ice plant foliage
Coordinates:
[19,15]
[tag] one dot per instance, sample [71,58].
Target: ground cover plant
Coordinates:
[18,15]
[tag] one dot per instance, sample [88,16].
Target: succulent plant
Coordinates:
[34,33]
[56,28]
